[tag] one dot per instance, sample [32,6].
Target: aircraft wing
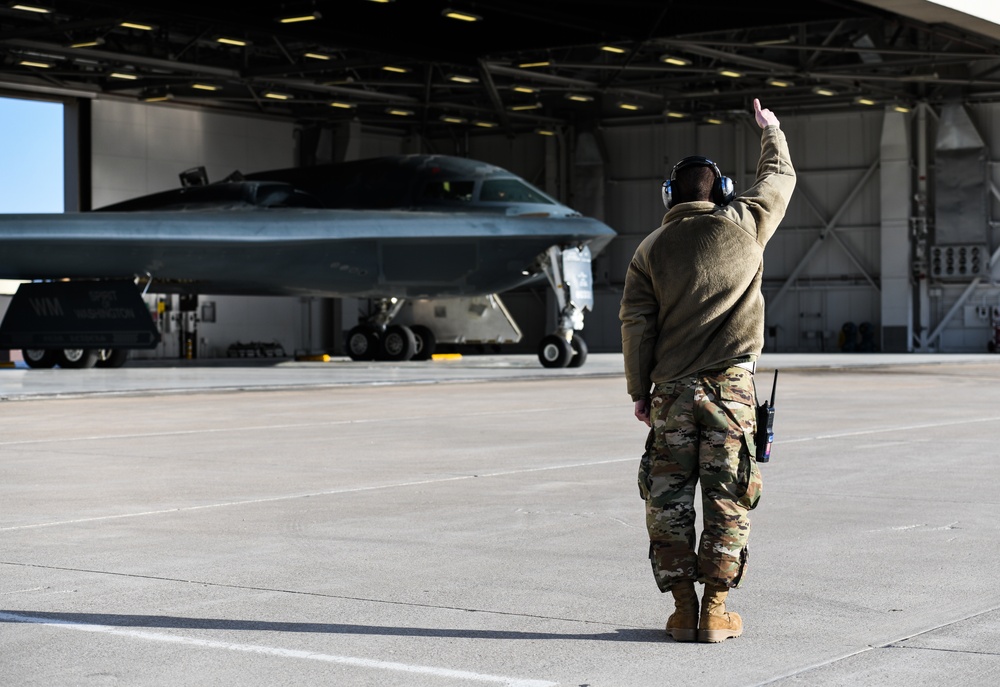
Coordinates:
[294,251]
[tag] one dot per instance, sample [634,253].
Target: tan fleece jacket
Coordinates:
[692,298]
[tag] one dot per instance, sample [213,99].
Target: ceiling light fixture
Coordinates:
[92,43]
[485,125]
[394,69]
[545,132]
[862,100]
[579,97]
[526,106]
[780,83]
[774,41]
[232,41]
[277,96]
[135,25]
[206,87]
[157,97]
[674,60]
[673,114]
[316,56]
[294,19]
[613,49]
[461,16]
[36,63]
[127,76]
[342,105]
[525,89]
[901,108]
[632,107]
[399,113]
[461,78]
[822,90]
[37,9]
[731,73]
[713,120]
[532,65]
[450,119]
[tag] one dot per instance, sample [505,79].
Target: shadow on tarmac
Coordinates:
[645,635]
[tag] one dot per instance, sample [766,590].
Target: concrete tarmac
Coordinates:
[477,522]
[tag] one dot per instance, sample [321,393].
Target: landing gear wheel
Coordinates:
[362,343]
[426,342]
[554,351]
[77,358]
[39,358]
[398,343]
[111,357]
[579,347]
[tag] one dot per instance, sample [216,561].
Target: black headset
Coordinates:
[723,189]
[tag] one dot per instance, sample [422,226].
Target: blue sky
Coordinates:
[31,138]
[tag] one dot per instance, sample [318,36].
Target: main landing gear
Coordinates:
[482,319]
[376,339]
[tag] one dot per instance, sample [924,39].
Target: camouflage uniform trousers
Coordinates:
[702,429]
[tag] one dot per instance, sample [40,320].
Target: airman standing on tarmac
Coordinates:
[692,315]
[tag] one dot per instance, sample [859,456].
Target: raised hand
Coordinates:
[764,116]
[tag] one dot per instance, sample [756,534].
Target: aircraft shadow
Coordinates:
[182,623]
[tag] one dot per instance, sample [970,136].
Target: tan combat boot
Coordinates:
[716,624]
[682,624]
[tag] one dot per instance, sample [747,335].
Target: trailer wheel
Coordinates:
[77,358]
[111,357]
[39,358]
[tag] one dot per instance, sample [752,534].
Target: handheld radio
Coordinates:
[765,425]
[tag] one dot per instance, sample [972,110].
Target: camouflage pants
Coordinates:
[702,429]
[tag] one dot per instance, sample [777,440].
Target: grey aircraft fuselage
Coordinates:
[414,226]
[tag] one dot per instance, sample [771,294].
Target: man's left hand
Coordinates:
[642,411]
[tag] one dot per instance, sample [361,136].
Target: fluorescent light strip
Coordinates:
[32,8]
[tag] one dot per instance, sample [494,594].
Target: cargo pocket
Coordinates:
[749,481]
[739,405]
[645,464]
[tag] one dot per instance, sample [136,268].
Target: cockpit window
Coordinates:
[449,190]
[512,191]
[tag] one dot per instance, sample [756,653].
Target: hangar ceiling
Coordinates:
[404,66]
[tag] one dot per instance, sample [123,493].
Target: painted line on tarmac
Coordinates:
[882,430]
[329,492]
[279,652]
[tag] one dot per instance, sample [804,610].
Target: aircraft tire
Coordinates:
[579,347]
[554,351]
[362,343]
[426,342]
[77,358]
[111,357]
[40,358]
[397,344]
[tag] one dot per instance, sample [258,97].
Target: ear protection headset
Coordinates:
[723,189]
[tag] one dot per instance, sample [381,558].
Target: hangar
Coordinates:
[891,107]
